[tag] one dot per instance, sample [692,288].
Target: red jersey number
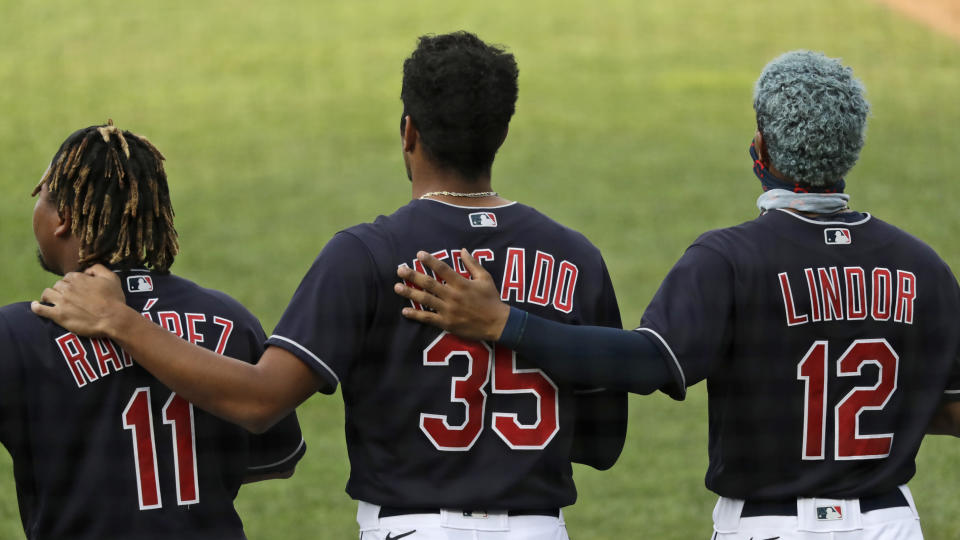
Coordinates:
[849,442]
[138,418]
[486,363]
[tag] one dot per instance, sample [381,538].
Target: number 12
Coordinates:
[848,442]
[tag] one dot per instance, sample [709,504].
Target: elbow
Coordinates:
[258,424]
[260,418]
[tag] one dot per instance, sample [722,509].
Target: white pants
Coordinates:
[819,519]
[454,525]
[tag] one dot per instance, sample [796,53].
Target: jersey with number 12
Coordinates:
[826,345]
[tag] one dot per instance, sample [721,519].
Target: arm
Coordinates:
[946,420]
[592,355]
[254,396]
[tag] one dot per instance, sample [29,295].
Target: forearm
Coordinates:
[231,389]
[946,421]
[593,355]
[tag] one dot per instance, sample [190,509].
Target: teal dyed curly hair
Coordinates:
[813,116]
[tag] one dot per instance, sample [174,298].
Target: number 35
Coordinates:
[470,391]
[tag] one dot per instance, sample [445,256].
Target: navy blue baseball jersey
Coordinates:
[102,450]
[826,346]
[432,420]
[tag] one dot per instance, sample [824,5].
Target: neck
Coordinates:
[453,188]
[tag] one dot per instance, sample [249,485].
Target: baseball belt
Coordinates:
[788,507]
[391,511]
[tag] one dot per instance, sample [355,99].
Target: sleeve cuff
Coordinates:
[512,333]
[677,388]
[318,366]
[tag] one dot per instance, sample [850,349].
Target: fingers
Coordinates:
[47,305]
[418,279]
[99,270]
[50,296]
[423,298]
[440,269]
[426,317]
[40,309]
[472,266]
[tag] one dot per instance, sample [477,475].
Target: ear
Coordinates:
[761,147]
[64,225]
[410,135]
[504,137]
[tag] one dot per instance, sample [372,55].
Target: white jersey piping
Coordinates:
[306,350]
[683,377]
[818,222]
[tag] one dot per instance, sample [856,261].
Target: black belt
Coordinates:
[391,511]
[788,507]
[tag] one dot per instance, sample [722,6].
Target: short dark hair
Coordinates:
[460,93]
[114,184]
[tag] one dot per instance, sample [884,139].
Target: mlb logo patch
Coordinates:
[837,237]
[139,283]
[483,219]
[829,513]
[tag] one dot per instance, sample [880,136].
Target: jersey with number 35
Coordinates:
[434,421]
[101,449]
[826,346]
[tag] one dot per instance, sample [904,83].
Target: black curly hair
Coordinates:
[460,94]
[114,184]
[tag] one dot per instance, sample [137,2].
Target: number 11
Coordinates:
[178,413]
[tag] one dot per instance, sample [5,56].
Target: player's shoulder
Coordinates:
[18,322]
[541,225]
[212,299]
[18,314]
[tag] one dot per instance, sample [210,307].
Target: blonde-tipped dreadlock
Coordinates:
[114,184]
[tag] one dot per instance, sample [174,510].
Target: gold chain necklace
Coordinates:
[475,195]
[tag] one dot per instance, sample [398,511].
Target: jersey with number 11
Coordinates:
[101,449]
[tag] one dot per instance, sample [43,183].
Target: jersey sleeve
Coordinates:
[952,390]
[278,449]
[689,316]
[600,427]
[281,447]
[11,384]
[327,318]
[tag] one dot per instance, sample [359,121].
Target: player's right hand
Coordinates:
[469,308]
[85,303]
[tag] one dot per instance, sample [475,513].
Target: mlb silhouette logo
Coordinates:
[139,283]
[837,237]
[829,513]
[483,219]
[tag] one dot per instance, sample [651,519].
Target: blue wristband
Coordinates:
[513,330]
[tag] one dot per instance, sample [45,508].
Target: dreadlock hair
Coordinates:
[114,184]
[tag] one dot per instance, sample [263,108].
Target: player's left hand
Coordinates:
[83,302]
[469,308]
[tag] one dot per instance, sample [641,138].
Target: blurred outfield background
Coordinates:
[279,122]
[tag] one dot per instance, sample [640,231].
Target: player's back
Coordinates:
[840,342]
[434,421]
[102,450]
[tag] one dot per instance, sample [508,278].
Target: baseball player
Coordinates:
[100,448]
[447,438]
[827,337]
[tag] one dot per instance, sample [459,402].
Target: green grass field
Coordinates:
[279,122]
